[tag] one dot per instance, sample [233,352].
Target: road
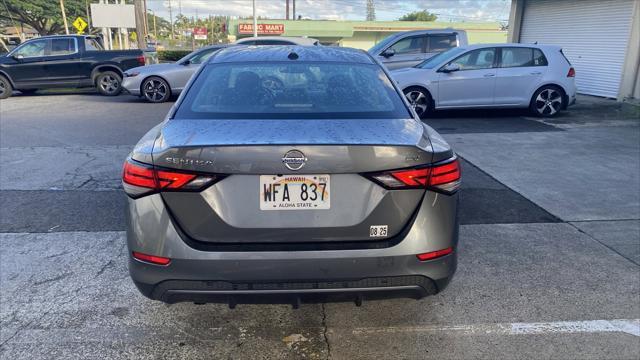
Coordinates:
[549,248]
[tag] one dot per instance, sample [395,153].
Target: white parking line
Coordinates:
[628,326]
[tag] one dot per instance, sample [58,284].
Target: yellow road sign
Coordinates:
[80,25]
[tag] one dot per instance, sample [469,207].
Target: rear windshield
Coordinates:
[285,90]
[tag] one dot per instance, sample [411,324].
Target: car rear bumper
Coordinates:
[291,276]
[292,292]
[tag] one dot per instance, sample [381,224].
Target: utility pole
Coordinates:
[212,33]
[155,29]
[146,21]
[86,9]
[106,34]
[171,19]
[371,11]
[287,7]
[139,11]
[255,20]
[125,34]
[294,9]
[64,17]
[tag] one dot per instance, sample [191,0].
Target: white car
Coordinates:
[538,77]
[158,82]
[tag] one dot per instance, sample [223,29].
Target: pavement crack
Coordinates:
[56,255]
[324,331]
[53,279]
[89,180]
[602,243]
[103,268]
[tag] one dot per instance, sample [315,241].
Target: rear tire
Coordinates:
[109,83]
[420,99]
[155,89]
[548,101]
[5,87]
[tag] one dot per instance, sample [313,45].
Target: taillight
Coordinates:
[141,60]
[156,260]
[142,179]
[434,254]
[572,72]
[444,177]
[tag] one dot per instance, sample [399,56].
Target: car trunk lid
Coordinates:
[230,210]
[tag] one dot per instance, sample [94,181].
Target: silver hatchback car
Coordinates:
[287,174]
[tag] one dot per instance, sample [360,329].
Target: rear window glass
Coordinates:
[522,57]
[439,43]
[63,46]
[410,45]
[91,45]
[284,90]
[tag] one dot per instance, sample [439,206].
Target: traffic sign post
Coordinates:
[80,25]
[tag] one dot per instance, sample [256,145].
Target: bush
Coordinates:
[172,55]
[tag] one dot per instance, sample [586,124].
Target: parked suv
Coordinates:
[409,48]
[538,77]
[326,185]
[65,61]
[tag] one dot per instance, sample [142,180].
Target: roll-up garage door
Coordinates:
[594,35]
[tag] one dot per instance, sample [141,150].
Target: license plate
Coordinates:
[295,192]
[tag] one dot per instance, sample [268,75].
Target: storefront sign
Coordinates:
[200,33]
[264,29]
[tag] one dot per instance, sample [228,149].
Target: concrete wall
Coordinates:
[515,21]
[630,84]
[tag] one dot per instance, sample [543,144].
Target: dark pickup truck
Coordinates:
[65,61]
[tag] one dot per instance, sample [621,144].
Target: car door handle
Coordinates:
[536,73]
[489,75]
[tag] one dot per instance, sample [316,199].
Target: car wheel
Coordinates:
[419,99]
[155,89]
[5,88]
[109,83]
[547,101]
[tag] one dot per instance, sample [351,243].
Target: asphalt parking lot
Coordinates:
[549,262]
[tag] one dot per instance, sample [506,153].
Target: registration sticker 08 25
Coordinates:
[378,231]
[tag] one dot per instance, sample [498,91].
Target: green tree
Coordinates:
[423,15]
[44,16]
[163,26]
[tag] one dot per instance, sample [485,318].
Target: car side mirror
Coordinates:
[186,62]
[388,53]
[18,57]
[450,68]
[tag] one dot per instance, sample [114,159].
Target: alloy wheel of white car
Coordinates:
[155,90]
[419,100]
[548,102]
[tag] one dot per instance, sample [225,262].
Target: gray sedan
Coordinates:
[158,82]
[325,185]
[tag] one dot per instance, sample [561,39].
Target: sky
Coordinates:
[447,10]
